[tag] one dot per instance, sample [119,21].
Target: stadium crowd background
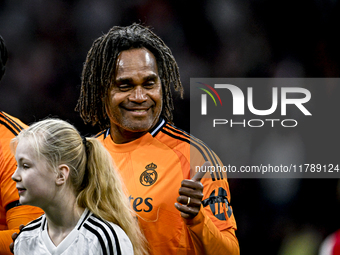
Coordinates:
[48,42]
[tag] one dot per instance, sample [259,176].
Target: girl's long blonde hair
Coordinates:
[96,183]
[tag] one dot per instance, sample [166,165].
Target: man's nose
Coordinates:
[138,95]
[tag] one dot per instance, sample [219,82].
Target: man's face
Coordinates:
[134,101]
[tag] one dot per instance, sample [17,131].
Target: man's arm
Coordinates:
[208,239]
[206,236]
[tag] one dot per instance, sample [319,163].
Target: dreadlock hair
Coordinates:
[3,57]
[100,66]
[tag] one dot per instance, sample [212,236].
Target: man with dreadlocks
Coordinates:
[126,90]
[12,214]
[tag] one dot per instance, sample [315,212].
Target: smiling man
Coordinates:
[135,100]
[126,90]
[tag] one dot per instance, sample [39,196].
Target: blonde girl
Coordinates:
[73,180]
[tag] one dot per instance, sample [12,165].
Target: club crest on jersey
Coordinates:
[149,176]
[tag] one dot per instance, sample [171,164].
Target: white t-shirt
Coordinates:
[91,235]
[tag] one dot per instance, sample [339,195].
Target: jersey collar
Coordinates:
[154,131]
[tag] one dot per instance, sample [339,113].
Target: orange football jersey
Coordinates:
[152,168]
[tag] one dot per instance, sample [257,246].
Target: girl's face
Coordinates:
[36,182]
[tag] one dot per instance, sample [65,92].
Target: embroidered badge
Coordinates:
[149,176]
[220,201]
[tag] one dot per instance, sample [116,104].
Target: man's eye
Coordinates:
[25,166]
[124,87]
[149,84]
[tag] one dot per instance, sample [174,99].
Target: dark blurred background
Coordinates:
[48,42]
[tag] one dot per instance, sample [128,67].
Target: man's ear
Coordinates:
[63,174]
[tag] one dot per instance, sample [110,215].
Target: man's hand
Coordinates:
[191,194]
[14,236]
